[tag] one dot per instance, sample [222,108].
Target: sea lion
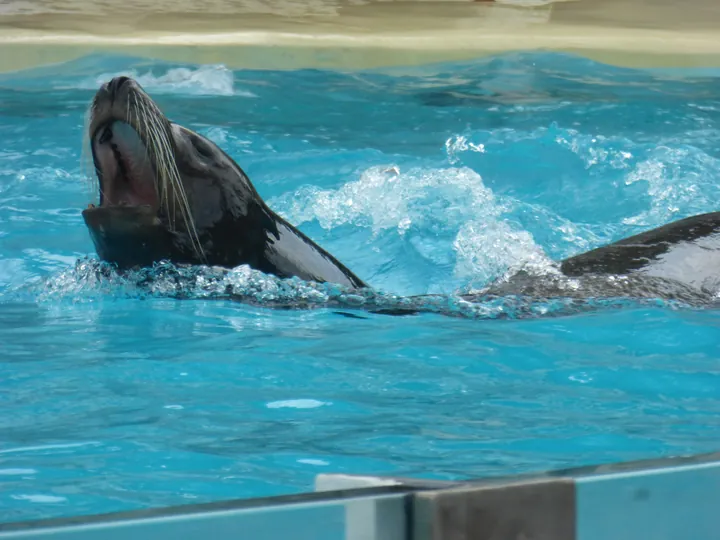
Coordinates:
[168,193]
[677,261]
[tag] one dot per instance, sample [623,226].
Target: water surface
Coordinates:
[423,181]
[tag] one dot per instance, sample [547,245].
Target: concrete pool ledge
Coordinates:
[353,35]
[666,499]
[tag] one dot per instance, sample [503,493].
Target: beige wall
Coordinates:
[359,33]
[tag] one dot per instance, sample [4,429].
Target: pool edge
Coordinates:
[618,500]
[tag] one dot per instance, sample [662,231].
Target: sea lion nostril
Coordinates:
[115,84]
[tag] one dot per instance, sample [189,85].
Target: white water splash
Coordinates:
[595,149]
[91,280]
[458,144]
[421,205]
[486,250]
[215,80]
[168,281]
[384,198]
[678,180]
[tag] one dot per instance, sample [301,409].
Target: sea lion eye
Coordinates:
[106,135]
[202,148]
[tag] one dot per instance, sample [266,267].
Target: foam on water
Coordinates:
[91,281]
[174,384]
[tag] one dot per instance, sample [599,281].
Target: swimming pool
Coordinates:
[423,180]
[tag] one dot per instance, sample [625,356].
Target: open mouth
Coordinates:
[125,171]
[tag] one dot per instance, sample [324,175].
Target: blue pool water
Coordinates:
[423,180]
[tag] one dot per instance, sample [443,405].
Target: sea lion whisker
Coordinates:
[146,159]
[154,136]
[150,134]
[167,171]
[143,129]
[86,158]
[164,162]
[127,109]
[172,176]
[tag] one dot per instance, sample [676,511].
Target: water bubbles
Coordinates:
[677,179]
[489,249]
[594,150]
[542,291]
[581,377]
[459,143]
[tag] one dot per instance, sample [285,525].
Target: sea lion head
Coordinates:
[165,192]
[168,193]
